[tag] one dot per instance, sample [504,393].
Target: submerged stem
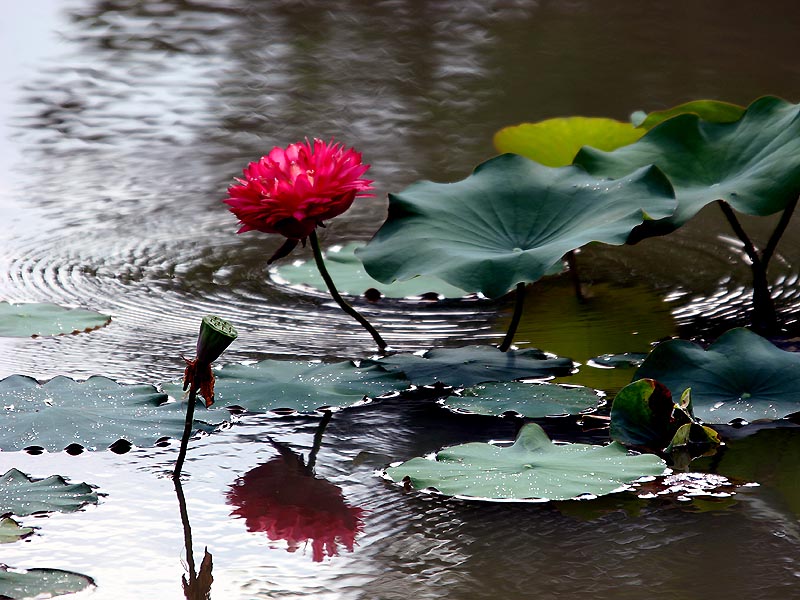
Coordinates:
[338,298]
[312,456]
[187,432]
[519,297]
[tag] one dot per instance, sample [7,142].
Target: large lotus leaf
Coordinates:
[94,413]
[31,320]
[644,415]
[11,531]
[350,277]
[463,367]
[753,164]
[740,376]
[508,222]
[22,584]
[21,495]
[533,468]
[531,400]
[301,386]
[708,110]
[555,142]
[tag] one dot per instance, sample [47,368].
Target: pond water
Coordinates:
[123,123]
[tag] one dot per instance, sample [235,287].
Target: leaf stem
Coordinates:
[519,297]
[187,432]
[572,263]
[338,298]
[765,319]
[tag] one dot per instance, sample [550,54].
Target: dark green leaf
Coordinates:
[531,400]
[644,415]
[752,164]
[11,531]
[507,223]
[94,413]
[22,584]
[740,376]
[301,386]
[30,320]
[21,495]
[463,367]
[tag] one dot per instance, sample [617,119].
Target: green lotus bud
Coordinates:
[215,335]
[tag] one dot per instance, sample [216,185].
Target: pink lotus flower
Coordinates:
[283,499]
[291,191]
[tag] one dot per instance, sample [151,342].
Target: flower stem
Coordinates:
[338,298]
[519,297]
[187,432]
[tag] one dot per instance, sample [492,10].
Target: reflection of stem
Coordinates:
[187,529]
[337,297]
[765,320]
[519,297]
[572,263]
[312,456]
[187,431]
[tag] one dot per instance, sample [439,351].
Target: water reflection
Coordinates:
[197,586]
[284,499]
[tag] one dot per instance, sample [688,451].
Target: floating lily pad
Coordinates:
[32,320]
[740,376]
[94,413]
[708,110]
[463,367]
[534,468]
[753,164]
[11,531]
[351,279]
[555,142]
[509,222]
[531,400]
[21,495]
[40,583]
[300,386]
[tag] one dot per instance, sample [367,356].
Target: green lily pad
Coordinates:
[531,400]
[32,320]
[40,583]
[753,164]
[300,386]
[21,495]
[555,142]
[11,531]
[351,279]
[740,376]
[708,110]
[534,468]
[94,413]
[508,222]
[463,367]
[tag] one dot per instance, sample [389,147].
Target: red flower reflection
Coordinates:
[283,499]
[290,191]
